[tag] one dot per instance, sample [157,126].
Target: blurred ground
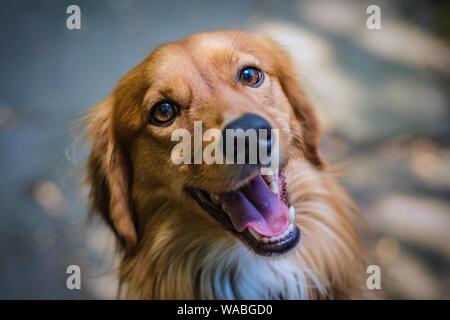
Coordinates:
[382,96]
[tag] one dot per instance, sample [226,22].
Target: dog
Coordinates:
[211,231]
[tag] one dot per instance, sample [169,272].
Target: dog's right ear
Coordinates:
[108,175]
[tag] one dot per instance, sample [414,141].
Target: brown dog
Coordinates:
[199,231]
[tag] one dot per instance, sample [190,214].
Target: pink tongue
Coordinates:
[257,207]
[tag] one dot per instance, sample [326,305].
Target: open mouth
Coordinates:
[258,213]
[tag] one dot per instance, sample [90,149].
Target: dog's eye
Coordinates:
[251,76]
[163,113]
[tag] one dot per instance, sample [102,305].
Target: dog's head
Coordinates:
[226,80]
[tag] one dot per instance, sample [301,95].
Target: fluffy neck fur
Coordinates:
[186,255]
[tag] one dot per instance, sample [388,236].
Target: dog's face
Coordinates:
[225,80]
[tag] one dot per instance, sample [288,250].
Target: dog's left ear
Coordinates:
[302,107]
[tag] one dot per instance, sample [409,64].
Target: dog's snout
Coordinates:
[255,131]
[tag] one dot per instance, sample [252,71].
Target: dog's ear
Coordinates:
[108,175]
[302,107]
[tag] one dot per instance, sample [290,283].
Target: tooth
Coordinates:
[215,198]
[224,208]
[291,214]
[274,239]
[265,239]
[274,187]
[254,234]
[268,177]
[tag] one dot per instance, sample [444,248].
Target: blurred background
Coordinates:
[382,96]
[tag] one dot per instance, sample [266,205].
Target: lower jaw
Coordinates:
[277,248]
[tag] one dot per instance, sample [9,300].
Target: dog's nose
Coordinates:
[251,132]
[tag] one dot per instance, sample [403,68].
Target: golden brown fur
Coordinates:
[172,249]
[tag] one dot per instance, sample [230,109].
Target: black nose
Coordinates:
[251,132]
